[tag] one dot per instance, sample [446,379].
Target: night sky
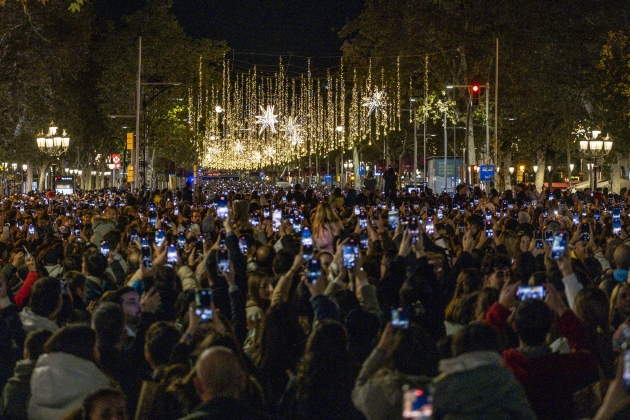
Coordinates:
[306,28]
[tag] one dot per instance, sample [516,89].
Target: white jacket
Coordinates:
[60,382]
[31,322]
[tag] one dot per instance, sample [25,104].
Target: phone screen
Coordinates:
[203,299]
[242,244]
[585,231]
[417,404]
[392,220]
[223,261]
[277,220]
[558,245]
[596,215]
[159,237]
[222,208]
[31,230]
[147,259]
[171,254]
[549,237]
[626,369]
[357,210]
[105,248]
[616,226]
[429,227]
[349,256]
[254,219]
[538,237]
[489,229]
[530,292]
[400,318]
[362,221]
[181,240]
[307,243]
[363,242]
[313,270]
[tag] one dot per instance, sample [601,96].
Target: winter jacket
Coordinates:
[59,384]
[378,393]
[475,386]
[32,322]
[187,277]
[24,294]
[17,391]
[100,226]
[550,380]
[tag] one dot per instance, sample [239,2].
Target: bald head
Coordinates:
[219,374]
[622,256]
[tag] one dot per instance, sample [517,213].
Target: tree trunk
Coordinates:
[42,177]
[540,173]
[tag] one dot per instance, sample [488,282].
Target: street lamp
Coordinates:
[52,143]
[595,149]
[535,168]
[24,168]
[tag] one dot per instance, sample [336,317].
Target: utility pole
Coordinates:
[136,152]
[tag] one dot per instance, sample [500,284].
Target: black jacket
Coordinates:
[223,409]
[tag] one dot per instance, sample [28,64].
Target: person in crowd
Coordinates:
[45,303]
[17,391]
[65,374]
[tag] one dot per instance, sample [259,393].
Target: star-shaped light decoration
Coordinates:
[376,103]
[269,151]
[292,131]
[238,147]
[267,119]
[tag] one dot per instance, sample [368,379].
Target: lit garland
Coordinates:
[301,117]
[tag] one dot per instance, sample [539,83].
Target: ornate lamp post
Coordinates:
[595,149]
[53,144]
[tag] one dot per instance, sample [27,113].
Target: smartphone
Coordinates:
[222,239]
[181,240]
[64,286]
[31,230]
[461,227]
[626,368]
[616,227]
[307,243]
[134,235]
[429,228]
[616,214]
[199,245]
[596,215]
[176,211]
[476,200]
[576,219]
[349,255]
[171,254]
[413,229]
[147,258]
[105,248]
[538,237]
[417,404]
[362,220]
[559,243]
[242,244]
[152,217]
[363,241]
[400,318]
[223,261]
[545,212]
[440,214]
[549,237]
[313,270]
[530,292]
[266,212]
[203,299]
[254,219]
[276,220]
[159,237]
[489,229]
[392,220]
[585,231]
[357,210]
[284,199]
[222,208]
[297,225]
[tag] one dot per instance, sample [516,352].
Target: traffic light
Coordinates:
[475,89]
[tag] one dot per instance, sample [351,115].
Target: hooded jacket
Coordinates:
[100,226]
[17,391]
[59,384]
[378,392]
[475,385]
[31,322]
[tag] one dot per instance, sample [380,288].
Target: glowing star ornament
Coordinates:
[292,131]
[376,103]
[267,119]
[238,147]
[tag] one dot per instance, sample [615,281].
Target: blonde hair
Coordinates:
[325,217]
[613,299]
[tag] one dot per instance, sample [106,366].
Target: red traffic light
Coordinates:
[475,88]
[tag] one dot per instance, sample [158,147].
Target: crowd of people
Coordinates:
[243,300]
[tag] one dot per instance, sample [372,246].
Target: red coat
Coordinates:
[24,294]
[550,380]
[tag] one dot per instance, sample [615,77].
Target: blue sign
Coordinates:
[327,178]
[486,173]
[362,170]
